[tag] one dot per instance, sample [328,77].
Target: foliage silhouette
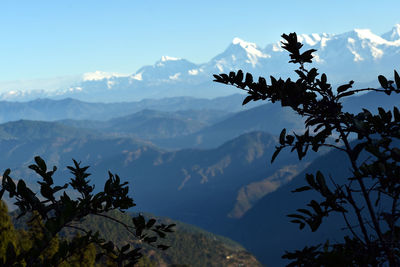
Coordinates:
[369,199]
[55,210]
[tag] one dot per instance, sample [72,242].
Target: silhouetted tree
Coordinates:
[371,193]
[54,210]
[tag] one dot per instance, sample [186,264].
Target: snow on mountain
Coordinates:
[358,55]
[100,75]
[393,35]
[168,58]
[167,69]
[238,55]
[314,39]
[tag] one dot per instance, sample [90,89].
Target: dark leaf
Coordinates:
[301,74]
[344,87]
[150,239]
[277,150]
[125,248]
[323,78]
[249,79]
[397,79]
[383,81]
[282,137]
[160,234]
[357,149]
[239,77]
[289,139]
[396,114]
[2,193]
[150,223]
[40,162]
[301,189]
[247,99]
[162,247]
[321,180]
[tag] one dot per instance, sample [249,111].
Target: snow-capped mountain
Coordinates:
[239,54]
[393,35]
[358,55]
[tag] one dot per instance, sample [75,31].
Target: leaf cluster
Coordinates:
[58,211]
[375,180]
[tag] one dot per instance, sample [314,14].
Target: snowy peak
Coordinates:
[167,69]
[170,61]
[394,34]
[101,75]
[311,39]
[366,34]
[238,55]
[168,58]
[251,49]
[357,55]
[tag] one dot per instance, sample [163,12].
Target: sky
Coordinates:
[47,39]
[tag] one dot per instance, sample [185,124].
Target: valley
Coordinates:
[206,167]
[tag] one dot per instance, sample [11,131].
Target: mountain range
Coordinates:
[358,55]
[212,171]
[68,108]
[202,161]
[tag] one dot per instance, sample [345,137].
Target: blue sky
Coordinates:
[44,39]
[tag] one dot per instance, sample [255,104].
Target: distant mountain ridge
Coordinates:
[151,125]
[260,118]
[182,179]
[358,55]
[68,108]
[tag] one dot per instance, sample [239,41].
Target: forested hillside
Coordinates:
[190,245]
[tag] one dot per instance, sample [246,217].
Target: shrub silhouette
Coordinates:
[371,193]
[54,210]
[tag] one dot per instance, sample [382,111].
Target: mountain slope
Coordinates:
[261,118]
[267,232]
[189,245]
[206,187]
